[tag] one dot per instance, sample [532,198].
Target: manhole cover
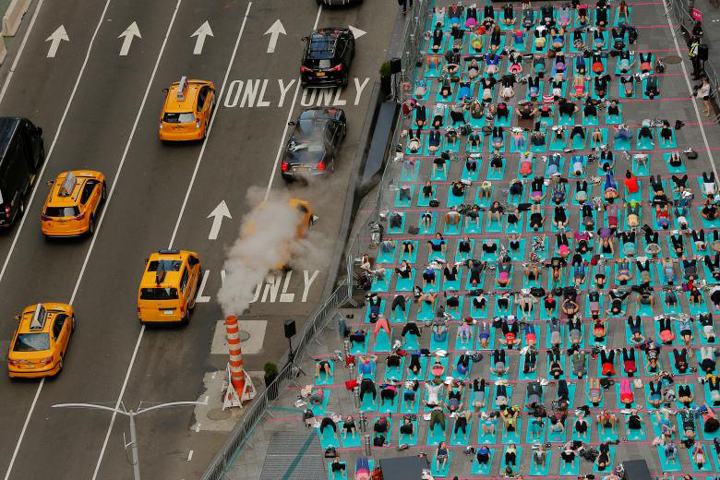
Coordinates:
[244,336]
[672,60]
[218,414]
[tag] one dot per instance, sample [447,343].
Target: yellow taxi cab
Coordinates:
[41,340]
[73,203]
[305,218]
[187,110]
[168,287]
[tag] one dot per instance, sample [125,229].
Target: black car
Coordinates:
[327,57]
[313,145]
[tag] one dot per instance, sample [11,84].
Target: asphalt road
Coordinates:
[100,110]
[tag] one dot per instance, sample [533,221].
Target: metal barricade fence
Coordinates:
[318,319]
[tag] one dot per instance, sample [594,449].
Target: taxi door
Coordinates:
[193,280]
[61,334]
[206,100]
[90,197]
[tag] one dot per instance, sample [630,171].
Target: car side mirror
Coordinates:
[291,123]
[17,318]
[304,39]
[146,261]
[165,91]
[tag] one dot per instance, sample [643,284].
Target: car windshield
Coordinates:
[32,342]
[175,117]
[159,293]
[62,211]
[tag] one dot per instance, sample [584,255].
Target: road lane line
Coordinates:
[212,122]
[11,72]
[37,183]
[100,222]
[117,404]
[25,425]
[124,155]
[287,121]
[54,142]
[182,210]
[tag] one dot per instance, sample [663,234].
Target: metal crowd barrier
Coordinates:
[242,432]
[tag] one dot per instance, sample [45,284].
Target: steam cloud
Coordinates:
[267,239]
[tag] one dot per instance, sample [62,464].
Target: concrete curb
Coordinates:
[351,198]
[13,16]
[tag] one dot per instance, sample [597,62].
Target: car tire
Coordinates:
[72,324]
[91,226]
[345,79]
[21,208]
[61,364]
[186,318]
[103,195]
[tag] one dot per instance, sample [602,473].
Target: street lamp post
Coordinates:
[131,414]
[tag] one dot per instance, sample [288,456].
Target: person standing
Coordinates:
[694,46]
[703,93]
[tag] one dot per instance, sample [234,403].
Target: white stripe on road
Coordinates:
[11,72]
[102,217]
[25,425]
[212,122]
[287,121]
[177,224]
[55,139]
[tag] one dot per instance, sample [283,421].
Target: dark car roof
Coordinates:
[8,126]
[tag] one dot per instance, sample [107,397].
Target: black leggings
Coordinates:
[398,302]
[460,423]
[366,387]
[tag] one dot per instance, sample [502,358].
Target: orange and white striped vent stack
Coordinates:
[239,380]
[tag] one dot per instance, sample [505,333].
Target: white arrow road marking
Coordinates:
[130,33]
[218,214]
[357,33]
[57,36]
[201,33]
[275,30]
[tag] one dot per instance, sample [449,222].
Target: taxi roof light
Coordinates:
[39,318]
[169,252]
[68,185]
[182,88]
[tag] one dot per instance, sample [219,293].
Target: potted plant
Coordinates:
[271,373]
[385,78]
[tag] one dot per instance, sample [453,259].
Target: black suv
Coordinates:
[327,57]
